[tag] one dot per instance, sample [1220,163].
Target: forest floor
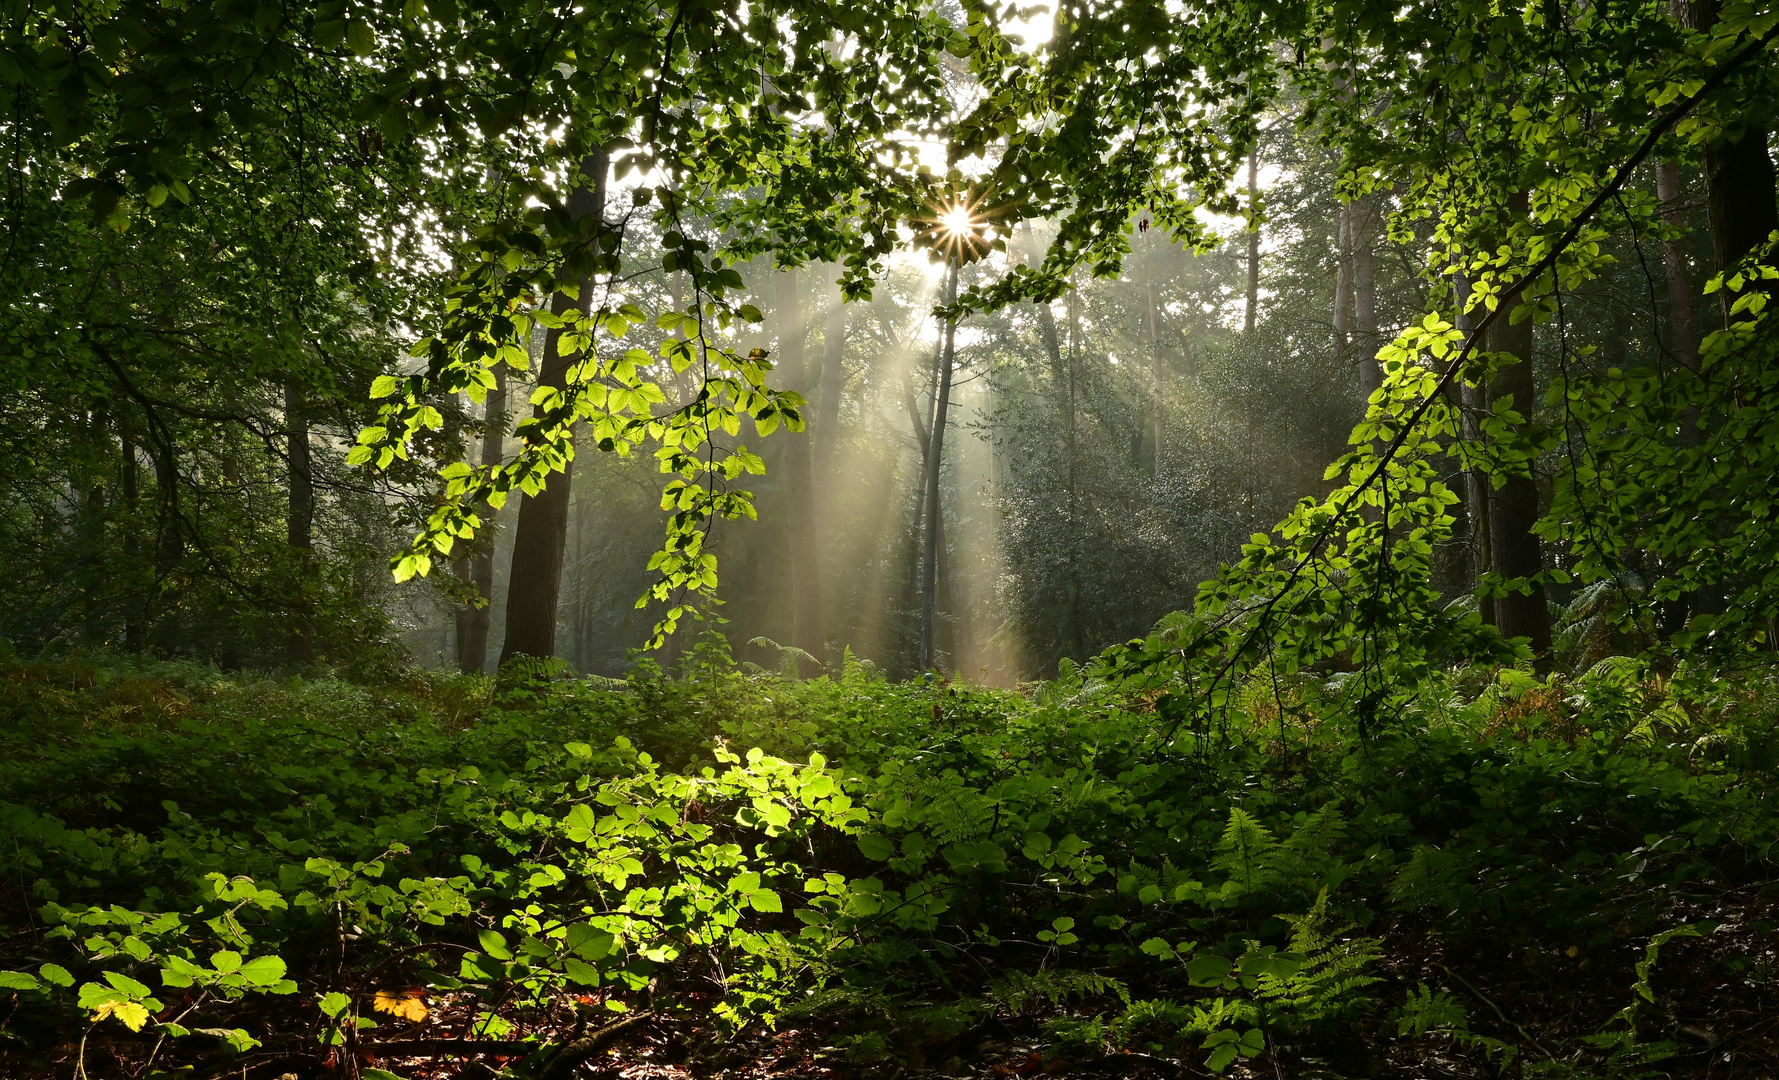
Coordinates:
[1572,876]
[1720,1016]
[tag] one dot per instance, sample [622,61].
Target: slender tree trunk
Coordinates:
[1513,508]
[929,611]
[833,384]
[300,522]
[541,538]
[1157,373]
[1365,331]
[1343,283]
[1252,312]
[807,630]
[128,491]
[1476,485]
[472,621]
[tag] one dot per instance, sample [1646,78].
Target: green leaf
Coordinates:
[765,900]
[263,970]
[55,973]
[17,980]
[875,847]
[334,1003]
[360,38]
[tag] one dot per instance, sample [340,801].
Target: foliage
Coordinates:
[186,837]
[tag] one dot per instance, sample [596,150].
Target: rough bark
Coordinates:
[541,537]
[1513,507]
[1739,182]
[929,599]
[472,621]
[807,629]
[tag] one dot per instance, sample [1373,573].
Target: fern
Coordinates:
[1327,984]
[1242,852]
[1429,1012]
[1019,990]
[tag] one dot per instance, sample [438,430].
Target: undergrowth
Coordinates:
[205,873]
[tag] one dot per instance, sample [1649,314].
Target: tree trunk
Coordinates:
[300,522]
[1157,374]
[1343,283]
[472,621]
[1739,194]
[1739,185]
[1513,507]
[541,538]
[833,384]
[1251,314]
[127,488]
[807,630]
[929,611]
[1476,485]
[1365,332]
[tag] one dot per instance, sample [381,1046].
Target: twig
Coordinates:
[572,1054]
[1480,996]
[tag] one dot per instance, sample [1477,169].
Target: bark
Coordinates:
[1513,507]
[472,621]
[929,611]
[300,522]
[1343,283]
[1739,183]
[1252,311]
[807,630]
[541,538]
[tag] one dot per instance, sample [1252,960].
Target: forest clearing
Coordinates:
[782,538]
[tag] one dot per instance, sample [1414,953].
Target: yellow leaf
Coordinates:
[130,1013]
[406,1004]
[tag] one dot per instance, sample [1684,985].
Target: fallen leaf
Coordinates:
[406,1004]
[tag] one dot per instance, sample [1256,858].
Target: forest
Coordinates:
[549,539]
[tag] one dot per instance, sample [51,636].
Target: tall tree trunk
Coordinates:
[1157,372]
[128,490]
[833,384]
[1343,283]
[1739,193]
[807,630]
[300,521]
[1476,485]
[1252,311]
[929,599]
[1739,184]
[472,621]
[1513,507]
[541,538]
[1365,331]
